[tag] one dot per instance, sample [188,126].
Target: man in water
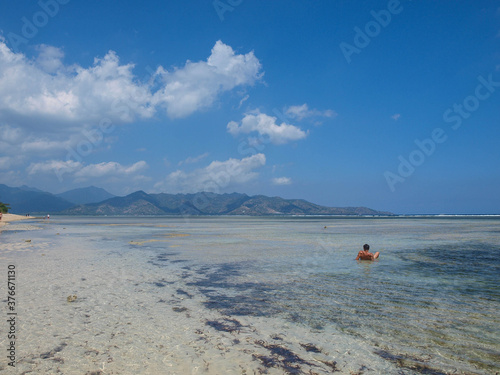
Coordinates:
[366,255]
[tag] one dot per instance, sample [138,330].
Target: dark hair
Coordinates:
[366,247]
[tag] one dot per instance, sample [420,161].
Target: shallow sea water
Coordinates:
[248,295]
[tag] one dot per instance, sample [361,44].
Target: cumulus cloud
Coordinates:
[192,160]
[198,84]
[55,94]
[47,106]
[215,177]
[80,171]
[110,169]
[396,116]
[50,58]
[22,142]
[45,92]
[59,167]
[266,125]
[282,181]
[300,112]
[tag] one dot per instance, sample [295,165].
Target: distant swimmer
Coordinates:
[366,255]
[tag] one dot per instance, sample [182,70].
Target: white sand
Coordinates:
[6,218]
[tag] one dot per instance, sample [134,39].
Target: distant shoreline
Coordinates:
[6,218]
[325,216]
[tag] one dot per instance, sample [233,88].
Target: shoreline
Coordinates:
[7,218]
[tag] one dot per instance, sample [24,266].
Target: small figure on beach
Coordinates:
[366,255]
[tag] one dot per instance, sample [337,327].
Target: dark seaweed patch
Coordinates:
[475,261]
[409,362]
[333,365]
[225,325]
[52,353]
[162,283]
[255,299]
[179,309]
[160,259]
[310,348]
[281,357]
[180,291]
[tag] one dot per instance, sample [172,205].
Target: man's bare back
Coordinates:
[366,255]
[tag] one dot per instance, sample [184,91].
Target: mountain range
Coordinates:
[96,201]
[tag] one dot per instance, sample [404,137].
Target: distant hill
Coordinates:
[86,195]
[25,200]
[140,203]
[96,201]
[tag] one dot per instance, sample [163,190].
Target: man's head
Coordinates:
[366,247]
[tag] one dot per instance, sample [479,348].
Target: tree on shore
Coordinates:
[4,207]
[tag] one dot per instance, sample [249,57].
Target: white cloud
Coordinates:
[396,116]
[45,91]
[266,126]
[110,169]
[282,181]
[5,162]
[215,177]
[48,106]
[197,85]
[26,143]
[9,134]
[50,58]
[300,112]
[192,160]
[244,99]
[80,172]
[59,167]
[43,145]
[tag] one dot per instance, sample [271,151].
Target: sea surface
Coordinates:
[254,295]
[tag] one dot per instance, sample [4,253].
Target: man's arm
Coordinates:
[359,254]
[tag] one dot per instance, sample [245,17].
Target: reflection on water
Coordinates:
[271,293]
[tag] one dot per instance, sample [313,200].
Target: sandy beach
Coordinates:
[161,295]
[6,218]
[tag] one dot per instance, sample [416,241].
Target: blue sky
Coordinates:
[393,105]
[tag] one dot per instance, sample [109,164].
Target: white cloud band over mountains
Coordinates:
[215,177]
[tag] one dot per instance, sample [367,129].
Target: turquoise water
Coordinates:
[430,304]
